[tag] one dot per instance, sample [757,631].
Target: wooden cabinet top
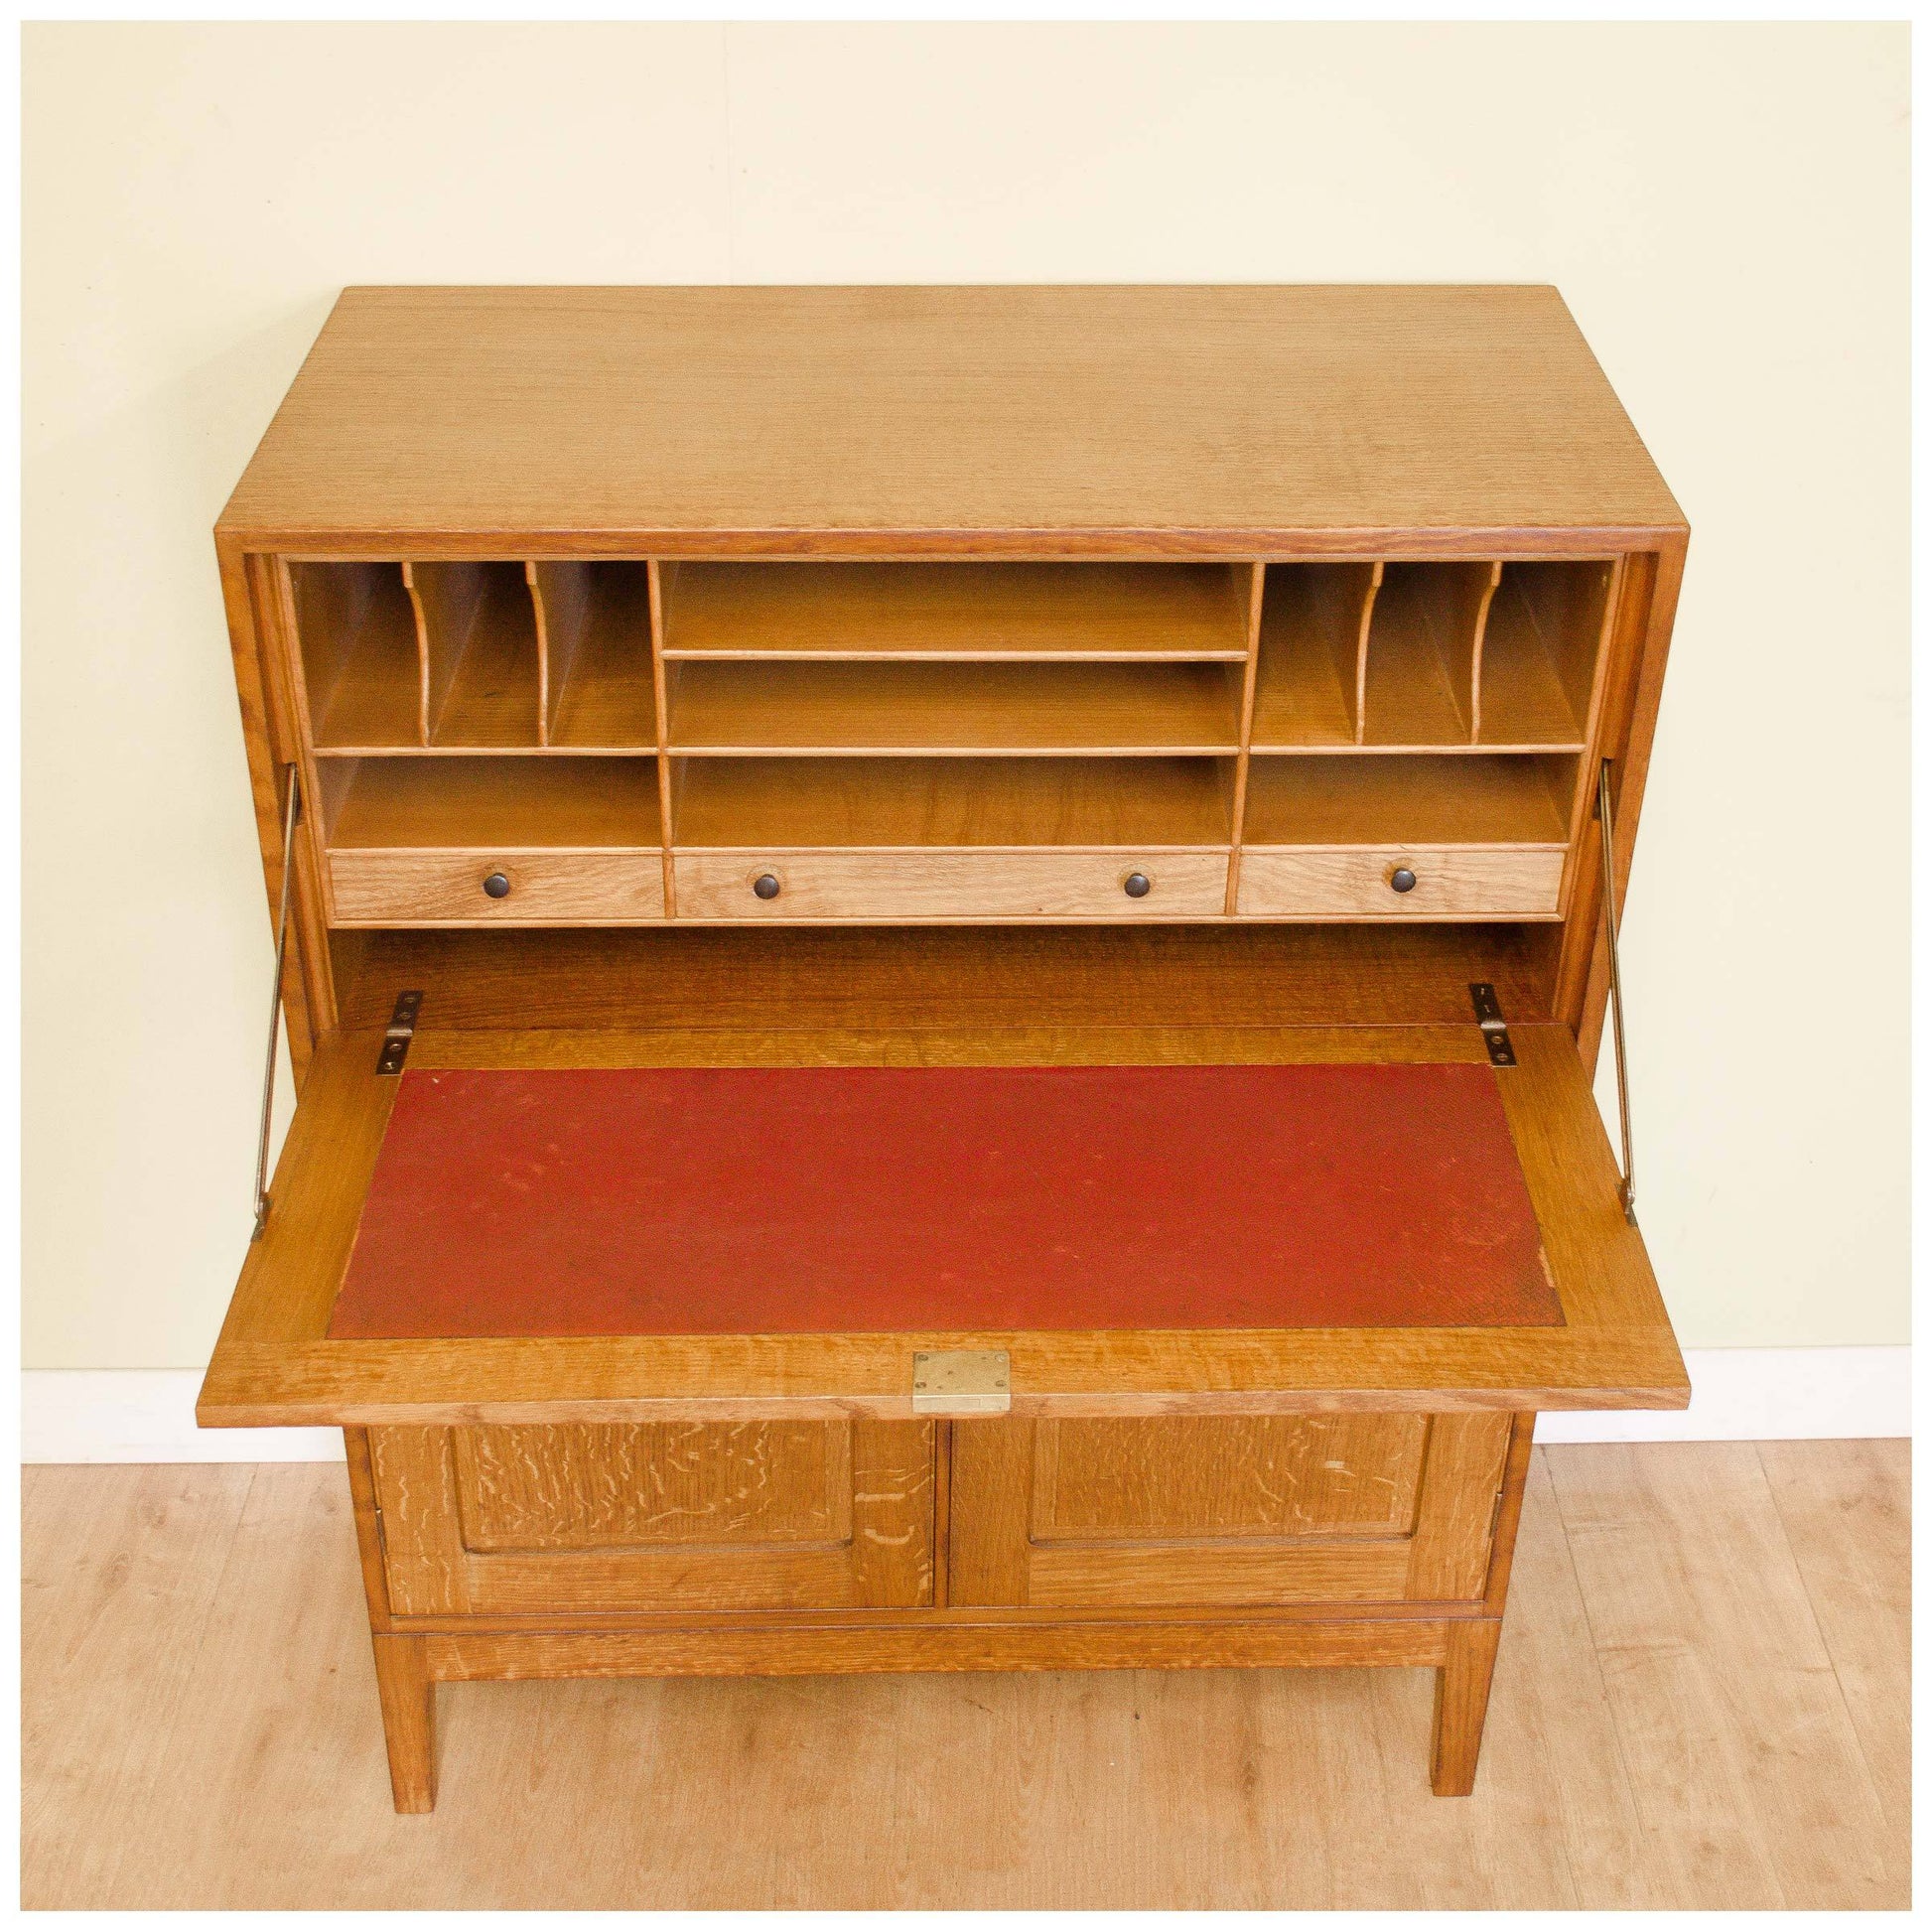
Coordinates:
[1123,421]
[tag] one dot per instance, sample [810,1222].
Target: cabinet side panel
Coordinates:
[422,1537]
[270,742]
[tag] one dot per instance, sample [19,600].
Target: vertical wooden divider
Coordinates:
[422,654]
[1361,648]
[1483,592]
[543,656]
[562,592]
[1257,585]
[662,699]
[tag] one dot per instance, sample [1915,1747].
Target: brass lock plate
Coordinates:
[962,1382]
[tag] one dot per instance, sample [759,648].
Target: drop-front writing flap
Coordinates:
[1337,1218]
[857,1200]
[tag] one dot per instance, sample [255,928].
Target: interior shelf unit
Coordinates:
[1291,739]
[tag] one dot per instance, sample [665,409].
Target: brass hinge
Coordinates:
[1496,1511]
[962,1382]
[399,1033]
[1489,1016]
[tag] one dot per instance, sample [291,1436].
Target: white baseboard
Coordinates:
[147,1415]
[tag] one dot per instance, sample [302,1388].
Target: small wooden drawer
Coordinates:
[950,884]
[1352,885]
[378,888]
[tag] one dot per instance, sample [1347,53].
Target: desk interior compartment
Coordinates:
[481,679]
[1542,645]
[1093,612]
[1397,799]
[356,646]
[1314,654]
[461,803]
[594,633]
[839,803]
[847,707]
[1419,681]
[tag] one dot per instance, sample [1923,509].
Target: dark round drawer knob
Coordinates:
[1402,879]
[765,884]
[1137,885]
[497,886]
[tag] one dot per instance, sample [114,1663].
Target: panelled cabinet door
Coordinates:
[652,1516]
[1207,1511]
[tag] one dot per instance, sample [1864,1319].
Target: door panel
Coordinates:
[652,1484]
[655,1516]
[1224,1510]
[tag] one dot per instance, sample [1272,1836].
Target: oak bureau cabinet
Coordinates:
[942,949]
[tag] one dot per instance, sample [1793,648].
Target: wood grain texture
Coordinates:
[1301,1475]
[931,613]
[153,1698]
[408,1696]
[1537,657]
[594,622]
[1115,1513]
[1147,421]
[940,885]
[653,1483]
[477,636]
[1408,801]
[983,709]
[361,678]
[1629,691]
[1315,629]
[798,804]
[1451,884]
[1616,1348]
[398,888]
[1847,1514]
[255,597]
[1420,667]
[966,982]
[1462,1705]
[1457,1511]
[428,803]
[745,1517]
[1712,1734]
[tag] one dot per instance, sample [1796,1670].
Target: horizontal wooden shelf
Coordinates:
[885,803]
[467,803]
[1481,799]
[1083,613]
[988,708]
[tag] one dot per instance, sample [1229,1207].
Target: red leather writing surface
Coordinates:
[825,1199]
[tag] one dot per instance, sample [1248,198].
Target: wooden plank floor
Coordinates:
[1701,1701]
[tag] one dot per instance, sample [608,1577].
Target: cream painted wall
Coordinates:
[1725,209]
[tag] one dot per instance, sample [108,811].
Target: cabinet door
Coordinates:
[648,1516]
[1212,1510]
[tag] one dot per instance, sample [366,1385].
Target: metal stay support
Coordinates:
[289,817]
[1627,1189]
